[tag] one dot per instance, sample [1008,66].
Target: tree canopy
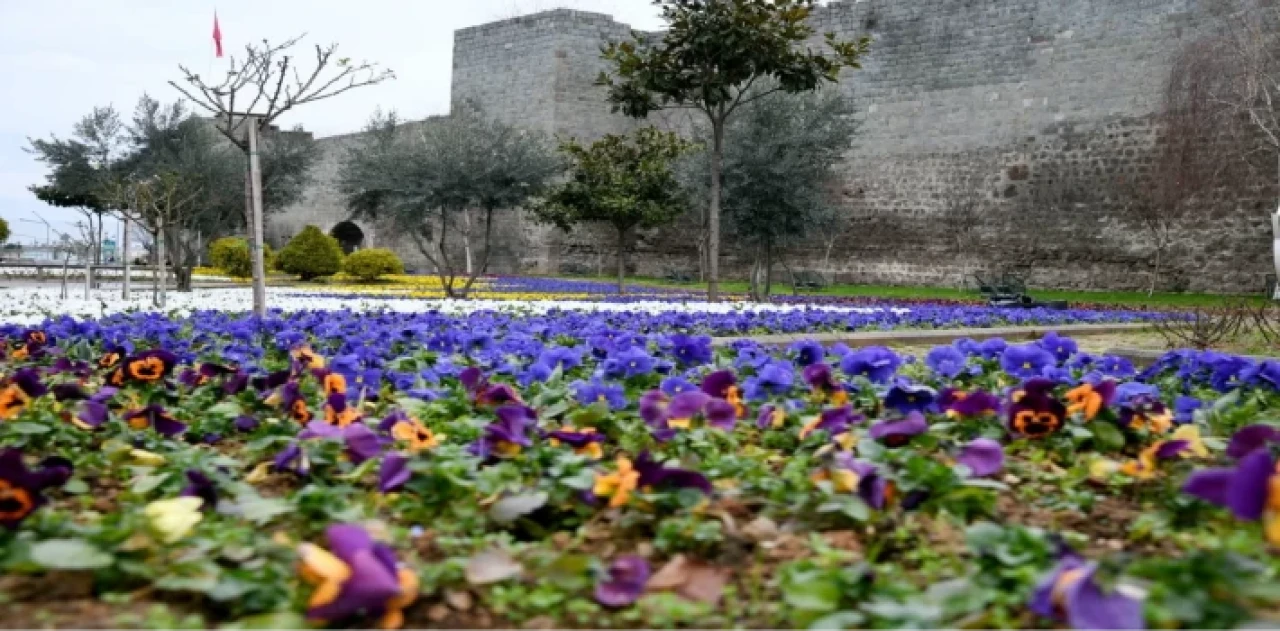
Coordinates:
[166,155]
[625,181]
[778,168]
[426,178]
[711,58]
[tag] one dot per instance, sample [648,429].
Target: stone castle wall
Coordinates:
[1031,103]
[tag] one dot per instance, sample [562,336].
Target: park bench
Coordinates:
[806,279]
[1010,291]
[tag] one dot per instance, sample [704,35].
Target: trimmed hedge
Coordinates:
[311,254]
[368,265]
[231,256]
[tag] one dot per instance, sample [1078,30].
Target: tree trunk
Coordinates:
[484,263]
[66,265]
[622,261]
[466,238]
[713,210]
[255,226]
[183,275]
[124,258]
[446,269]
[1275,234]
[161,277]
[768,269]
[88,271]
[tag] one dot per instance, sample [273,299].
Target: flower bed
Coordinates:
[33,305]
[609,470]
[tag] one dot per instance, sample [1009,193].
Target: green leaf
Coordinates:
[261,510]
[75,486]
[983,535]
[69,554]
[273,620]
[29,428]
[197,584]
[985,484]
[839,620]
[226,409]
[148,483]
[511,508]
[812,593]
[1108,436]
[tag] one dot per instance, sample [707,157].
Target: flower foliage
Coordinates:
[397,469]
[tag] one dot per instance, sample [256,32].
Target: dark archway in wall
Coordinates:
[349,236]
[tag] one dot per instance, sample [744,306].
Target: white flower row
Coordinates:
[31,305]
[73,271]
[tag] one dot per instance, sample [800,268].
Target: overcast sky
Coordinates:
[60,58]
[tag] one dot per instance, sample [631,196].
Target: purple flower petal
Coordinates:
[687,404]
[1251,437]
[393,473]
[1247,494]
[362,442]
[1087,607]
[625,583]
[721,414]
[897,433]
[983,457]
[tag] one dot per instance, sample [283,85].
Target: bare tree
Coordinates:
[265,83]
[964,197]
[1243,86]
[162,205]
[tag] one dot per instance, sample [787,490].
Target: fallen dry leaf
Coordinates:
[437,613]
[760,529]
[690,579]
[459,599]
[491,566]
[671,576]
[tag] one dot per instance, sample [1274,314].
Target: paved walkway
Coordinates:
[916,337]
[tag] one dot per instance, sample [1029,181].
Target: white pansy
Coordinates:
[32,305]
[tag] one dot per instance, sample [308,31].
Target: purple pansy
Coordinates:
[1250,490]
[1026,361]
[909,397]
[876,363]
[393,473]
[1070,594]
[624,582]
[896,433]
[359,576]
[155,417]
[1250,438]
[199,485]
[22,489]
[983,457]
[946,361]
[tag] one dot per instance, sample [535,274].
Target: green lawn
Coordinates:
[1159,299]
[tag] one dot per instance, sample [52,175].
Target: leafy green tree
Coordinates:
[107,165]
[4,231]
[79,167]
[426,179]
[311,254]
[779,163]
[624,181]
[709,58]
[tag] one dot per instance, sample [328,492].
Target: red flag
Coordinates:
[217,35]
